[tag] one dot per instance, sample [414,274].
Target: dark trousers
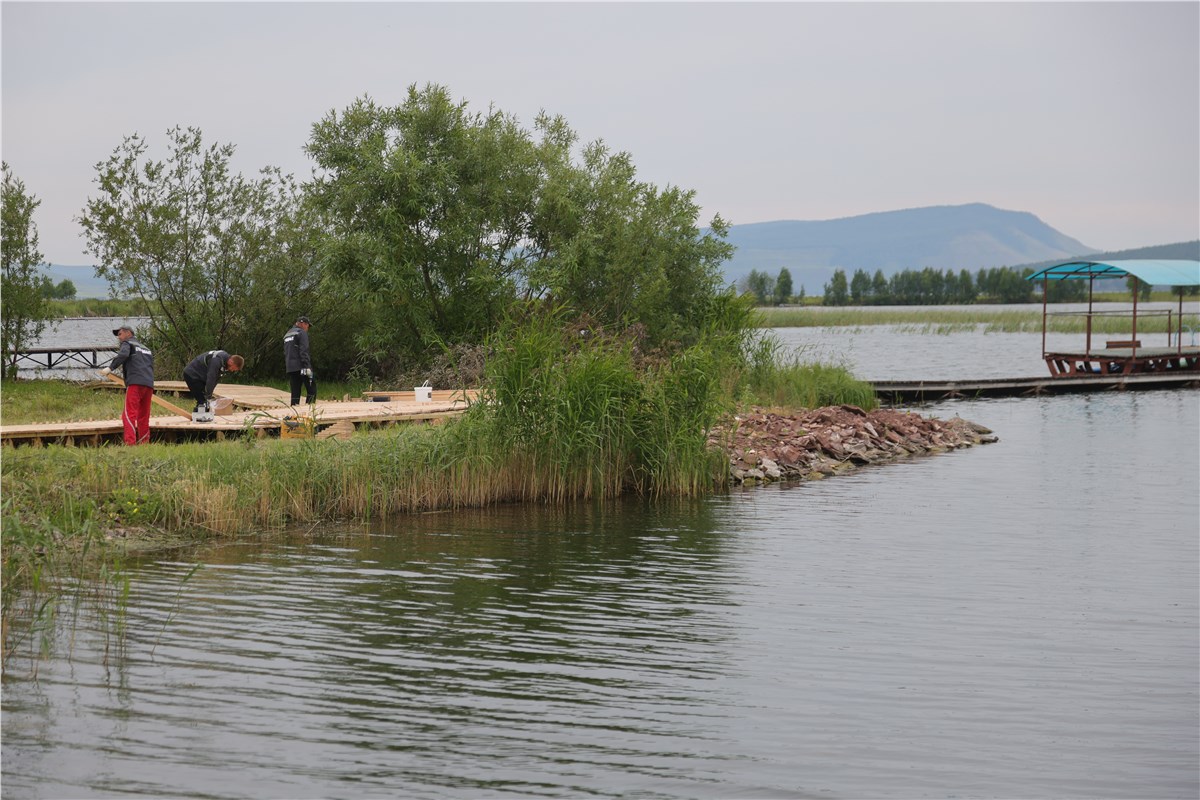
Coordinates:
[196,389]
[306,381]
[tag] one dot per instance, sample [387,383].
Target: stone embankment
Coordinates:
[765,446]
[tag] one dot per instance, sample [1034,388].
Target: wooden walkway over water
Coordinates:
[900,392]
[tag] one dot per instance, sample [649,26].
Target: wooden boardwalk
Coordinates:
[324,418]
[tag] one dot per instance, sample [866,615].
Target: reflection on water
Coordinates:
[1016,620]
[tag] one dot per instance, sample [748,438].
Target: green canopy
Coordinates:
[1160,272]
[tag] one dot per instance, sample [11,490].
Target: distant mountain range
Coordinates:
[968,237]
[1179,250]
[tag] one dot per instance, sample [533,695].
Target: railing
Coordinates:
[1134,314]
[56,357]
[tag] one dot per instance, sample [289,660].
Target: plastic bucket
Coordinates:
[422,394]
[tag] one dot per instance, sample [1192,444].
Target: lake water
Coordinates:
[1012,620]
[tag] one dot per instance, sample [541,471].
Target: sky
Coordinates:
[1086,114]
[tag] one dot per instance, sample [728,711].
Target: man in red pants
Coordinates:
[138,364]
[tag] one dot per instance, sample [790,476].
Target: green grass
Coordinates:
[28,401]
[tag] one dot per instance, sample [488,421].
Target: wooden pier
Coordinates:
[900,392]
[82,356]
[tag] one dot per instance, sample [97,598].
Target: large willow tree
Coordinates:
[443,218]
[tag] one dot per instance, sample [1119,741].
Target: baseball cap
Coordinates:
[117,331]
[303,318]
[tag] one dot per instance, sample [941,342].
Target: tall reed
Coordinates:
[789,381]
[597,414]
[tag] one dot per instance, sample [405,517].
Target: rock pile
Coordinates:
[764,446]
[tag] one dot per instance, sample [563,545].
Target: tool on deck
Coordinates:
[153,398]
[203,413]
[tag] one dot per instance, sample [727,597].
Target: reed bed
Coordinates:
[99,307]
[960,320]
[789,381]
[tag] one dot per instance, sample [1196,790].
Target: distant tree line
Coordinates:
[63,290]
[768,291]
[933,287]
[926,286]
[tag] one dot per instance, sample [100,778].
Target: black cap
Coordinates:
[303,318]
[117,331]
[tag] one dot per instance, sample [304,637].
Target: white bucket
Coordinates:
[423,394]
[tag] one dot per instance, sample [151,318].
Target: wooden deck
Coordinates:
[321,417]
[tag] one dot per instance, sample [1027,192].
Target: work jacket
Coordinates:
[207,367]
[295,349]
[137,363]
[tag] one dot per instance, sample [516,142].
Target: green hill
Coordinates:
[969,236]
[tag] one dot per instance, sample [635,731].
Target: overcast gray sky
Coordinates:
[1085,114]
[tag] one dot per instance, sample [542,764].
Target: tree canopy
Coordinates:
[424,227]
[443,218]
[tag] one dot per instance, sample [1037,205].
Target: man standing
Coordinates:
[137,363]
[204,372]
[297,361]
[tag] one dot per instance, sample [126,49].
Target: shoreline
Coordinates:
[758,445]
[766,445]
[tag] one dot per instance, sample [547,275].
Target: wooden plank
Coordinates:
[154,398]
[244,395]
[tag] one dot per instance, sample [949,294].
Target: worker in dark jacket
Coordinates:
[297,362]
[137,367]
[203,373]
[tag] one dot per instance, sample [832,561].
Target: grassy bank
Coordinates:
[556,421]
[951,320]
